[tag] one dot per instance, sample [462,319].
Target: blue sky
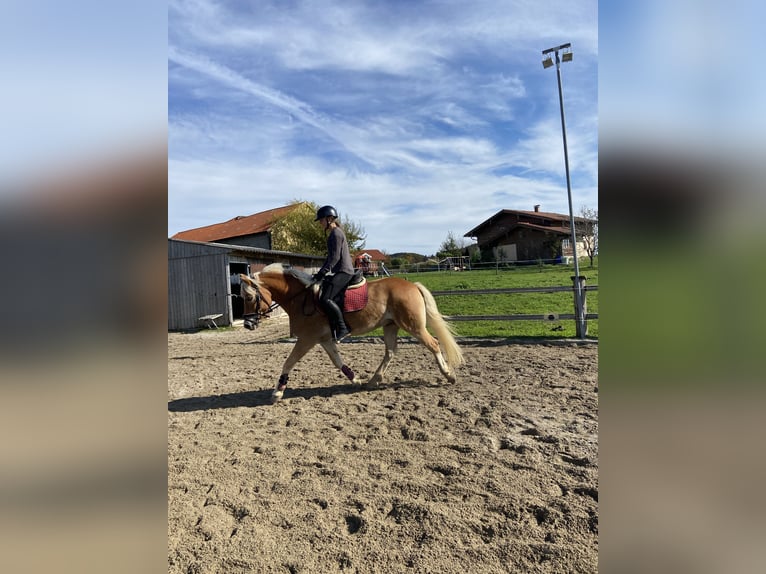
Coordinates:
[77,85]
[413,118]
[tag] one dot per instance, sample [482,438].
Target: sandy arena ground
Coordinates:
[495,473]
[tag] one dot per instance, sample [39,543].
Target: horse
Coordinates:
[393,303]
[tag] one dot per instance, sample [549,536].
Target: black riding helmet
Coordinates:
[326,211]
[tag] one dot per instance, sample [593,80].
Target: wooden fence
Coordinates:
[581,331]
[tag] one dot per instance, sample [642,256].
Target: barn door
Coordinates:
[237,304]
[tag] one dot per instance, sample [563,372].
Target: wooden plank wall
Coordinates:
[198,284]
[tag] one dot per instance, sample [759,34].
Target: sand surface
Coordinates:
[495,473]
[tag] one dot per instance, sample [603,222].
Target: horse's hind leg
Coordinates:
[432,345]
[332,350]
[299,350]
[390,333]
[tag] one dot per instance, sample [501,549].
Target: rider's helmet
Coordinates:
[326,211]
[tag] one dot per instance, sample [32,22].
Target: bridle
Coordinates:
[251,320]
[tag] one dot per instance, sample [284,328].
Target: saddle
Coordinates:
[352,298]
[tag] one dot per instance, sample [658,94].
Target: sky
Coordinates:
[77,86]
[415,119]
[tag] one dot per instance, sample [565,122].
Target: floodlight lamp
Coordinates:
[548,62]
[566,57]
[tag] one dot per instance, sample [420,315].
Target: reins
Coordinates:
[252,319]
[308,295]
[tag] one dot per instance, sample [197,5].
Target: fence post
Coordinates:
[580,306]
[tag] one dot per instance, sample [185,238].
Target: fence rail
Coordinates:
[545,317]
[499,266]
[513,290]
[538,317]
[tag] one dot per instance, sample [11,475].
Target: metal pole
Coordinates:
[581,327]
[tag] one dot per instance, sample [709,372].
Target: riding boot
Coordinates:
[336,320]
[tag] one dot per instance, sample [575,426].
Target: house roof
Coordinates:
[529,215]
[374,253]
[236,227]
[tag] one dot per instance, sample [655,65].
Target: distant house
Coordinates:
[245,230]
[514,235]
[370,261]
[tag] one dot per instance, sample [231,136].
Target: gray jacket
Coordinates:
[338,256]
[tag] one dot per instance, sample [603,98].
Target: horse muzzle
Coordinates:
[251,321]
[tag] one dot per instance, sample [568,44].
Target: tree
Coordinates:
[451,247]
[354,234]
[589,230]
[297,232]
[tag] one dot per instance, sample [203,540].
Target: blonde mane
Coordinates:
[247,289]
[277,268]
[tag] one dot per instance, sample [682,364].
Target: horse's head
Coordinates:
[257,300]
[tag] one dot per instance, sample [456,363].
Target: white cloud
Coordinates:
[413,120]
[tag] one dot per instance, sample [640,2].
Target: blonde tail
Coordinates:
[442,330]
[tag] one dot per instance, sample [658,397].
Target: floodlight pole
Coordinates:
[580,324]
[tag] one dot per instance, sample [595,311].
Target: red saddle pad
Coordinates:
[355,299]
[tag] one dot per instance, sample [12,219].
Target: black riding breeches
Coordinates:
[332,285]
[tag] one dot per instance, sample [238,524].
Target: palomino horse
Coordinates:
[393,303]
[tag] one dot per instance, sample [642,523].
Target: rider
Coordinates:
[337,268]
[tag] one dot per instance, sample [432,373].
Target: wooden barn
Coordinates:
[203,276]
[513,235]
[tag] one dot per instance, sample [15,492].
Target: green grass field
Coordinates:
[512,303]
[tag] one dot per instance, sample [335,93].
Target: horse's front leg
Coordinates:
[332,350]
[390,333]
[299,350]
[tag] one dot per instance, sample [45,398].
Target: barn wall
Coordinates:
[533,244]
[199,278]
[198,284]
[505,252]
[521,244]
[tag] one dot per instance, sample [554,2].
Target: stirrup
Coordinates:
[339,336]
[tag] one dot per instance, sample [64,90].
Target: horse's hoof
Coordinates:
[374,381]
[276,396]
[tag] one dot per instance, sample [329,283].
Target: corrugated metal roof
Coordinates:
[230,248]
[236,227]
